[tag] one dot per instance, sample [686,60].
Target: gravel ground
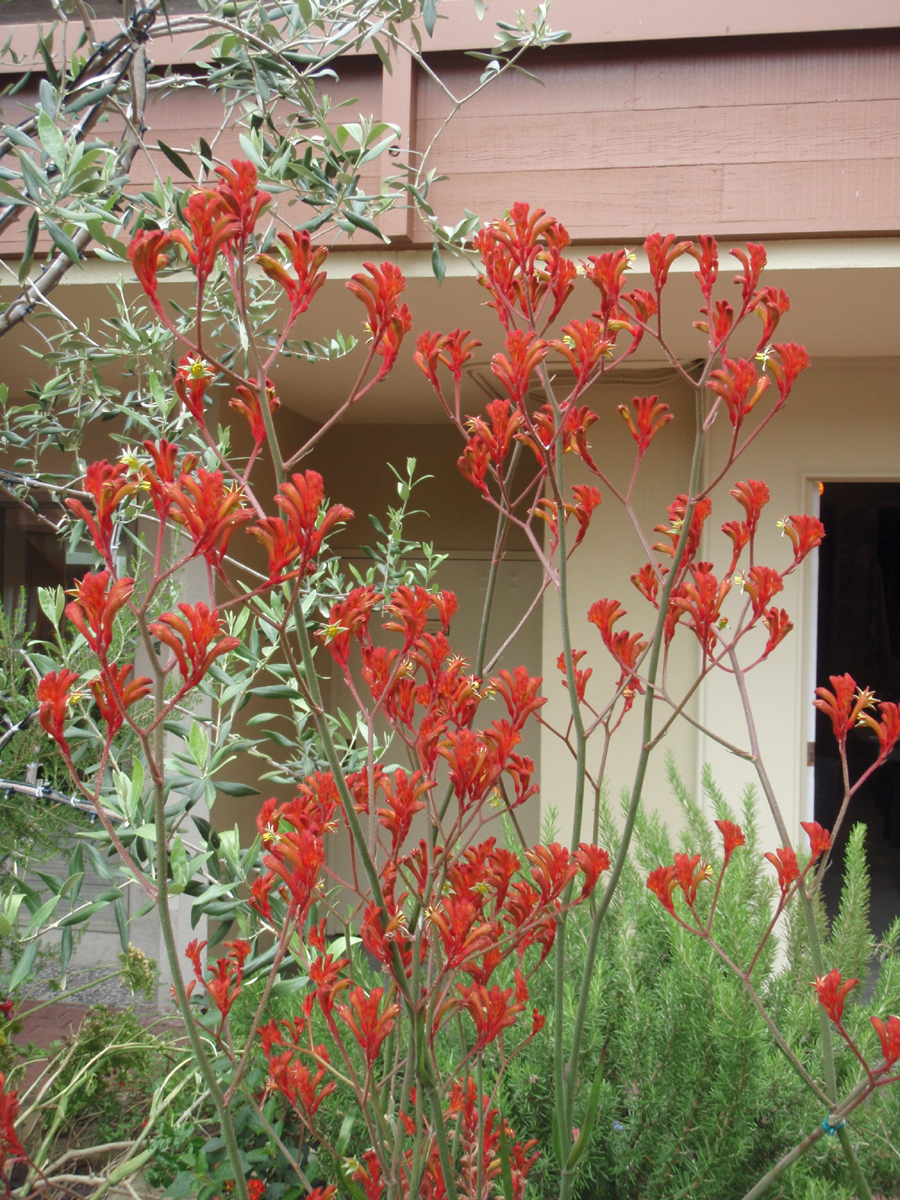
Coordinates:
[111,992]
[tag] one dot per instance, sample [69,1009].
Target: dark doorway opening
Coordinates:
[859,633]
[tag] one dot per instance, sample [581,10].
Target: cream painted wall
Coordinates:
[841,423]
[602,567]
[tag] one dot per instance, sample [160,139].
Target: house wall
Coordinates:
[769,120]
[761,136]
[601,568]
[839,425]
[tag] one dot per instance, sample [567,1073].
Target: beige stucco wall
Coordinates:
[841,423]
[601,568]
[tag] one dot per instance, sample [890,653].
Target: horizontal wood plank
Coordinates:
[627,204]
[753,134]
[606,80]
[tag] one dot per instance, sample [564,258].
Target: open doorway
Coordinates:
[859,633]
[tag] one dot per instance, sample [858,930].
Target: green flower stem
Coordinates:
[566,1094]
[812,933]
[200,1056]
[496,559]
[782,1165]
[311,682]
[567,1184]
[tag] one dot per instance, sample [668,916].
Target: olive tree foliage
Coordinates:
[66,176]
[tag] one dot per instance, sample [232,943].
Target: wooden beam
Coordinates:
[398,107]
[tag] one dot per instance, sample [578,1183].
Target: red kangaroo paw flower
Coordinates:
[779,625]
[607,273]
[761,584]
[722,319]
[147,258]
[888,728]
[367,1025]
[581,676]
[604,614]
[593,861]
[112,693]
[787,362]
[552,868]
[388,346]
[889,1036]
[349,618]
[845,705]
[302,1088]
[739,386]
[10,1146]
[301,287]
[451,349]
[752,495]
[160,478]
[428,354]
[240,196]
[94,608]
[224,984]
[732,836]
[325,973]
[522,260]
[526,352]
[707,256]
[209,511]
[456,351]
[300,501]
[646,581]
[805,532]
[212,225]
[753,262]
[109,487]
[689,874]
[588,498]
[54,694]
[280,545]
[369,1177]
[379,292]
[403,799]
[784,861]
[247,403]
[672,531]
[410,606]
[192,379]
[644,305]
[520,694]
[772,304]
[491,1011]
[585,346]
[191,638]
[473,464]
[447,606]
[662,882]
[649,419]
[832,993]
[495,441]
[819,838]
[661,253]
[739,532]
[701,600]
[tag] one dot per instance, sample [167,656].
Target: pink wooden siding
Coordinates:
[182,117]
[736,139]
